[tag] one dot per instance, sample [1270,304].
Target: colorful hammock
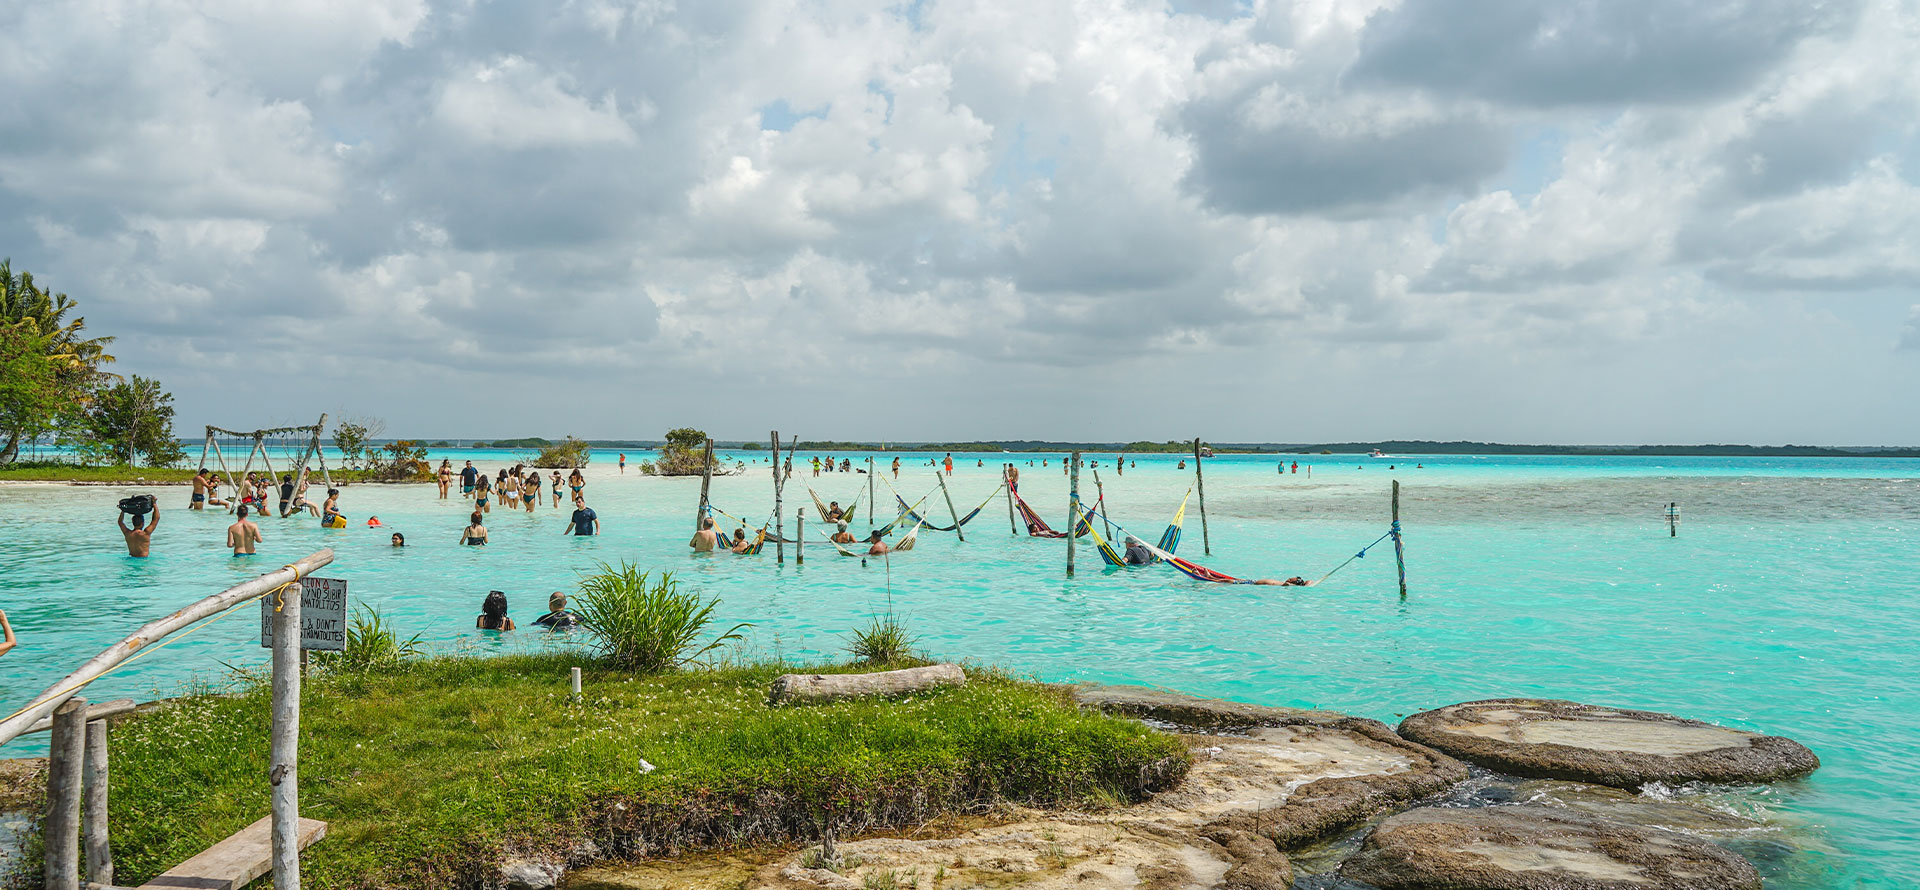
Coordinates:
[906,543]
[822,507]
[1037,527]
[759,541]
[908,512]
[1169,539]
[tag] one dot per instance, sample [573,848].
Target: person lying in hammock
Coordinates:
[1137,552]
[834,512]
[841,535]
[1295,581]
[739,544]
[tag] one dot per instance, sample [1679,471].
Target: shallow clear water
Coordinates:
[1784,605]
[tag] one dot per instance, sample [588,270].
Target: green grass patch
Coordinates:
[48,471]
[431,772]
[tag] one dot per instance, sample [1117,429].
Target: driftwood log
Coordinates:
[803,688]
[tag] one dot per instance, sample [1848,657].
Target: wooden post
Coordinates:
[1399,552]
[706,478]
[65,755]
[1006,475]
[283,772]
[1200,482]
[1073,507]
[1101,499]
[94,789]
[1673,519]
[950,511]
[799,536]
[870,525]
[779,482]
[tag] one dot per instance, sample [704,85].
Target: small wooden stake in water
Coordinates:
[1673,520]
[283,772]
[1073,508]
[94,789]
[870,510]
[66,753]
[1006,475]
[799,536]
[1399,552]
[1200,482]
[706,478]
[574,684]
[1100,497]
[779,482]
[950,511]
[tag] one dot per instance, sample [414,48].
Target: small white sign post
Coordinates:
[323,615]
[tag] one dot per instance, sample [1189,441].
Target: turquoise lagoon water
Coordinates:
[1785,605]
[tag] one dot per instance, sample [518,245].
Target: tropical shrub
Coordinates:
[646,625]
[885,640]
[569,454]
[372,644]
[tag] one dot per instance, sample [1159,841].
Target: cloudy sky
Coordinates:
[1603,221]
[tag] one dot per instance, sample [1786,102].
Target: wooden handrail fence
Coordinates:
[77,754]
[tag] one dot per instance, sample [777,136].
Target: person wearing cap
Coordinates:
[879,545]
[558,616]
[841,535]
[1137,552]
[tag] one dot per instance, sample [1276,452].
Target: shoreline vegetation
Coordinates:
[433,772]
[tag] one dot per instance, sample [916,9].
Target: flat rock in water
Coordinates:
[1538,848]
[1552,739]
[1195,712]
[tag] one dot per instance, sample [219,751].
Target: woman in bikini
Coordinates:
[493,613]
[554,486]
[509,490]
[480,492]
[576,482]
[475,534]
[446,477]
[530,491]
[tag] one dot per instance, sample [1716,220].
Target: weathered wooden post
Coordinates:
[800,536]
[66,752]
[779,482]
[870,511]
[706,479]
[1399,551]
[1008,473]
[1200,482]
[1673,519]
[950,510]
[1073,508]
[94,789]
[283,771]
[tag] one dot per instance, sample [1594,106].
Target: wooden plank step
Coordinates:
[235,862]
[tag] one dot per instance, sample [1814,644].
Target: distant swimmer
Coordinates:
[949,464]
[896,468]
[558,616]
[1183,465]
[399,540]
[704,540]
[879,545]
[1295,581]
[242,535]
[1137,552]
[623,463]
[140,536]
[841,535]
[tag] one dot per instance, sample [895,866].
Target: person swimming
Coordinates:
[493,613]
[399,540]
[878,545]
[705,539]
[475,534]
[841,535]
[558,616]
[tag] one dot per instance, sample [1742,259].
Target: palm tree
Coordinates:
[77,358]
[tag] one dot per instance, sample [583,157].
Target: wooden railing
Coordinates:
[77,753]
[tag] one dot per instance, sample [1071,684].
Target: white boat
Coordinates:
[1378,453]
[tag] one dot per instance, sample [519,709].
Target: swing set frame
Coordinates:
[312,451]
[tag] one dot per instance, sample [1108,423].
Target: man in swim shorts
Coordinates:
[140,536]
[467,475]
[242,535]
[199,490]
[704,539]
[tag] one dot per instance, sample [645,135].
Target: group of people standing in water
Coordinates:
[516,487]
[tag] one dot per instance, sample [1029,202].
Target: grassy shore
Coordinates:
[41,471]
[432,772]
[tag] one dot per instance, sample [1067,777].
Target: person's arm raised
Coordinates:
[7,644]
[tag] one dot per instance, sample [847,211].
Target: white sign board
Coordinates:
[323,614]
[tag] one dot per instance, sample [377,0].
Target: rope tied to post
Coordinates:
[279,593]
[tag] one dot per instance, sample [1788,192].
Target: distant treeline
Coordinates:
[1391,446]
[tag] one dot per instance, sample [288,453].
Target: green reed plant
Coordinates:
[646,625]
[885,640]
[372,644]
